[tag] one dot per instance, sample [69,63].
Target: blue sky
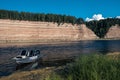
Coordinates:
[77,8]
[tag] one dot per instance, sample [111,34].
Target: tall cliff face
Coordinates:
[113,32]
[14,30]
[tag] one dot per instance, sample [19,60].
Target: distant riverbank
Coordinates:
[34,42]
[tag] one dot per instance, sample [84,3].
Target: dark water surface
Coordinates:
[54,52]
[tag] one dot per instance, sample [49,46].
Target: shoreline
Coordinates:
[53,40]
[6,43]
[45,72]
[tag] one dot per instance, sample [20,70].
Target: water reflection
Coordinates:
[27,66]
[42,64]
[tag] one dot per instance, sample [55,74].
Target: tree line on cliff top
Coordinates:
[14,15]
[100,27]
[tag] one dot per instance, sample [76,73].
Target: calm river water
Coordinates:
[53,52]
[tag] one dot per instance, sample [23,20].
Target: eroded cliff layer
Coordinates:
[113,32]
[31,31]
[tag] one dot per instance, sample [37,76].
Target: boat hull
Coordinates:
[26,60]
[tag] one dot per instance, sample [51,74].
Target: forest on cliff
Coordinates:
[100,27]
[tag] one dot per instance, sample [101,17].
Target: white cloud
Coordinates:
[118,17]
[88,19]
[98,17]
[95,17]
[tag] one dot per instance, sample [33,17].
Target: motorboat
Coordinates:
[27,56]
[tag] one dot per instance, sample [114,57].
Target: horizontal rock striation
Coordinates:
[113,32]
[31,31]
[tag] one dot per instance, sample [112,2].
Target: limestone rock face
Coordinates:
[113,32]
[31,31]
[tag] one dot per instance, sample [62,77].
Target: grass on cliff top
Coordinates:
[86,67]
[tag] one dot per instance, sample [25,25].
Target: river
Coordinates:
[52,52]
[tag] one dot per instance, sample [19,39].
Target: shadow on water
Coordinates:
[54,54]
